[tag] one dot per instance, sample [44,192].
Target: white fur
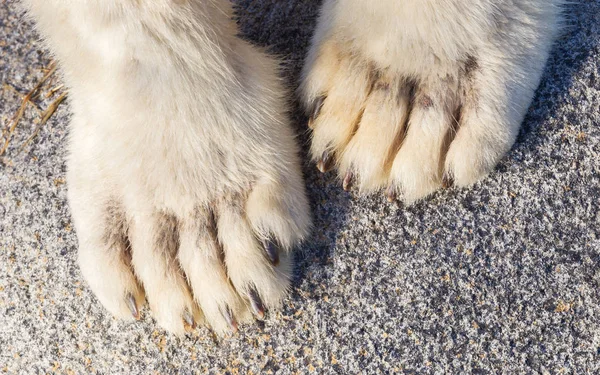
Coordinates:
[174,116]
[424,44]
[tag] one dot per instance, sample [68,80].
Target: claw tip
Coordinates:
[189,322]
[324,163]
[391,194]
[230,319]
[348,180]
[447,181]
[321,166]
[132,304]
[256,303]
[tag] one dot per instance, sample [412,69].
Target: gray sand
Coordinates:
[501,278]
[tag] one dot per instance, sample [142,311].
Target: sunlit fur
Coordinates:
[480,59]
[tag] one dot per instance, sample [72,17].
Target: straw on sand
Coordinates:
[8,132]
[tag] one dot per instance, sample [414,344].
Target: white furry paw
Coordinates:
[383,129]
[222,263]
[184,176]
[409,100]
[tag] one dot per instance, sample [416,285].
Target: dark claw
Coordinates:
[348,181]
[256,303]
[135,312]
[391,194]
[316,110]
[324,164]
[447,181]
[188,318]
[272,250]
[228,316]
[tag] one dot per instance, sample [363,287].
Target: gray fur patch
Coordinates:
[166,240]
[470,96]
[407,89]
[382,86]
[471,65]
[115,231]
[205,224]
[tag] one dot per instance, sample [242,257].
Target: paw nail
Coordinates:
[256,303]
[348,180]
[324,164]
[190,324]
[390,193]
[272,251]
[133,306]
[228,315]
[447,181]
[317,106]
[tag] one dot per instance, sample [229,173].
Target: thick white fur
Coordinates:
[175,117]
[424,45]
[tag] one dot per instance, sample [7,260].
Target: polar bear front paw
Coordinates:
[409,98]
[382,129]
[220,262]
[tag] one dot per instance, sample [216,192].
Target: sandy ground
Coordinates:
[501,278]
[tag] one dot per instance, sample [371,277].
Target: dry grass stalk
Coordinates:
[45,117]
[7,133]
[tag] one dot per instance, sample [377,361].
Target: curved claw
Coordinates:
[348,181]
[272,250]
[188,320]
[391,194]
[132,304]
[447,181]
[256,303]
[316,110]
[229,318]
[325,162]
